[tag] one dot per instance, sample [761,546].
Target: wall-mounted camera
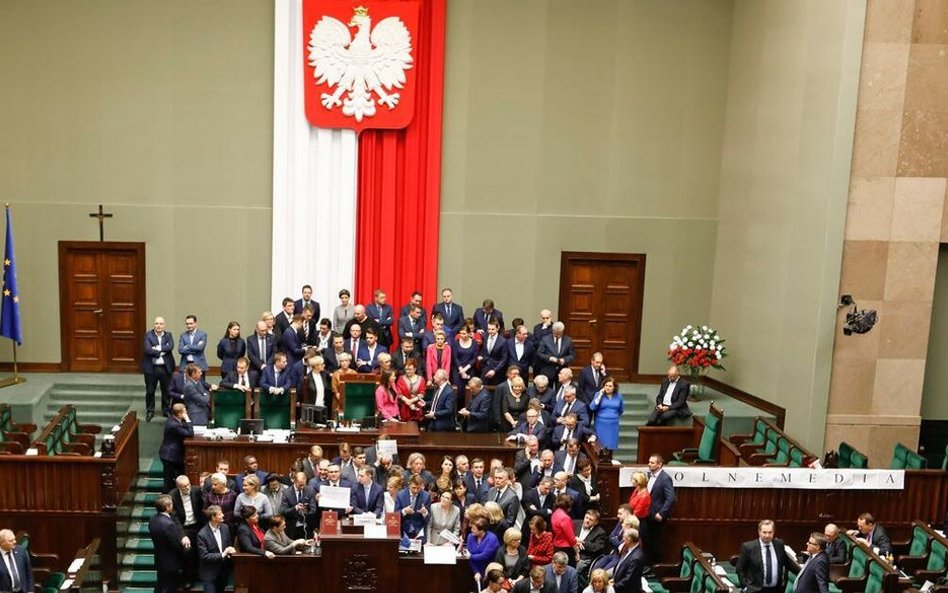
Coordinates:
[857,321]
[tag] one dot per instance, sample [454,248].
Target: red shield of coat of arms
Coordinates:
[359,63]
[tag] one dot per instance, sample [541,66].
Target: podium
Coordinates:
[358,563]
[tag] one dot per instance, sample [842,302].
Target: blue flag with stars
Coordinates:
[10,310]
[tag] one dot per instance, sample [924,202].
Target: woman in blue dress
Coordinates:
[608,406]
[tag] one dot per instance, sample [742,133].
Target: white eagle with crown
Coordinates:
[369,63]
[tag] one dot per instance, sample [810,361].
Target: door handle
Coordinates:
[592,321]
[98,311]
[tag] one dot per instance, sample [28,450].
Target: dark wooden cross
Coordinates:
[101,216]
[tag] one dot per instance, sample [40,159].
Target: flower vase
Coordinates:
[694,378]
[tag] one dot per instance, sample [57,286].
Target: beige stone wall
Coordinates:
[894,225]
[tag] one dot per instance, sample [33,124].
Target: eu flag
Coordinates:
[10,310]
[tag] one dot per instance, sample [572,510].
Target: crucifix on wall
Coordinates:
[101,216]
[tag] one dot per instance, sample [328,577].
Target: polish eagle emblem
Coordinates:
[374,61]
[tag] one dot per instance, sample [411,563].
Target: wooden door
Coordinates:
[102,305]
[601,305]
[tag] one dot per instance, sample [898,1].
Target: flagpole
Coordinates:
[16,379]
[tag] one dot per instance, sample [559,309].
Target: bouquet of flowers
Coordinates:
[697,349]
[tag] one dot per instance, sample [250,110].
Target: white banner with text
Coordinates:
[776,477]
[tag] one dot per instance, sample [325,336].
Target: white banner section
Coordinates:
[776,477]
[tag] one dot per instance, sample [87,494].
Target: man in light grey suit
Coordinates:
[503,494]
[191,344]
[197,396]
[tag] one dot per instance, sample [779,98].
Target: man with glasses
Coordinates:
[814,574]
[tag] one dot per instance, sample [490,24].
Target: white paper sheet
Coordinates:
[374,531]
[334,497]
[440,554]
[388,446]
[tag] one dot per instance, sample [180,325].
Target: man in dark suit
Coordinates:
[414,504]
[308,333]
[761,566]
[570,429]
[451,312]
[251,468]
[504,495]
[554,352]
[331,355]
[16,571]
[243,378]
[562,575]
[157,365]
[367,359]
[545,327]
[277,378]
[403,353]
[171,545]
[186,503]
[531,426]
[476,481]
[561,485]
[412,326]
[367,496]
[627,575]
[214,551]
[479,410]
[197,395]
[493,356]
[520,351]
[441,415]
[191,344]
[537,581]
[539,501]
[261,347]
[485,314]
[593,542]
[292,342]
[414,302]
[836,549]
[591,378]
[570,405]
[284,318]
[298,507]
[526,460]
[874,534]
[814,575]
[671,401]
[381,312]
[569,459]
[306,299]
[177,428]
[662,490]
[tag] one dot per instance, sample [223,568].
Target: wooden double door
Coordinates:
[102,305]
[601,298]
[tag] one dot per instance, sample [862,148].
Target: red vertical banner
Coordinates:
[399,183]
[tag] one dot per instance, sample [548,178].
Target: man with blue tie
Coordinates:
[441,415]
[16,573]
[191,344]
[277,377]
[382,313]
[413,503]
[761,565]
[367,496]
[451,312]
[157,366]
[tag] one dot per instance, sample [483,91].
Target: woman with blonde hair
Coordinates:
[599,582]
[392,486]
[252,497]
[640,499]
[497,520]
[512,555]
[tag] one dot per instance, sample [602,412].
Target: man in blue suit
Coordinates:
[562,575]
[367,360]
[171,545]
[627,575]
[277,377]
[197,395]
[591,378]
[191,344]
[554,352]
[260,347]
[307,299]
[16,573]
[214,557]
[493,357]
[478,413]
[663,500]
[441,416]
[157,366]
[382,313]
[177,428]
[414,302]
[453,313]
[412,325]
[413,503]
[292,344]
[367,496]
[485,314]
[569,430]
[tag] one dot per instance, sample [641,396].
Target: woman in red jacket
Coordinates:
[564,538]
[540,550]
[640,499]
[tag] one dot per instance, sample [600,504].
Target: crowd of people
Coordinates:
[447,371]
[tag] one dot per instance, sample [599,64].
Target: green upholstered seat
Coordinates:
[899,456]
[937,558]
[797,458]
[54,581]
[845,455]
[920,542]
[704,452]
[875,580]
[791,580]
[697,579]
[274,410]
[858,461]
[915,461]
[360,400]
[230,405]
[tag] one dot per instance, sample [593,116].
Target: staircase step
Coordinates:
[133,387]
[136,545]
[92,406]
[134,530]
[150,484]
[144,498]
[138,561]
[140,578]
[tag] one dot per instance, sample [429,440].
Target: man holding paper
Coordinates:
[413,503]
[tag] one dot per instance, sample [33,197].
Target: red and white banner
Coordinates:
[359,63]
